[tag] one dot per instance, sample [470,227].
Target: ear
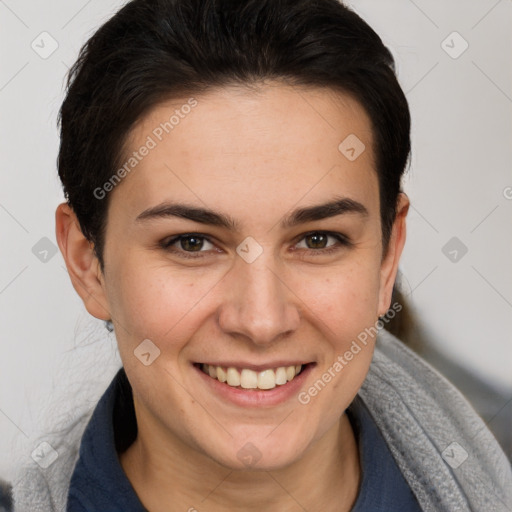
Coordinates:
[389,264]
[82,264]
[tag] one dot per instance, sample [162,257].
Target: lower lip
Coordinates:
[254,397]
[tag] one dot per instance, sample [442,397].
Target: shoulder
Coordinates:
[442,446]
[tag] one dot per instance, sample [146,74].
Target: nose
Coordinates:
[257,303]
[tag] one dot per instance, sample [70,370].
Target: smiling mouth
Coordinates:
[247,379]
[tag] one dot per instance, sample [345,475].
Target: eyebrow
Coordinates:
[206,216]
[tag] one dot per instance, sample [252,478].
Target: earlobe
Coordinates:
[81,262]
[389,266]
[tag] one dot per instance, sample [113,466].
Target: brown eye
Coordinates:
[317,242]
[191,243]
[186,245]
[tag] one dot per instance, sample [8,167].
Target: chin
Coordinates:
[262,452]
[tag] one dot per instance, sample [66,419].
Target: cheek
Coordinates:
[343,307]
[157,302]
[345,299]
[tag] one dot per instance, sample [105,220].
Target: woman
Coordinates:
[232,175]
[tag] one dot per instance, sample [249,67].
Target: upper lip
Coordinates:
[255,367]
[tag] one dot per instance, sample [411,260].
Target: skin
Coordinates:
[255,156]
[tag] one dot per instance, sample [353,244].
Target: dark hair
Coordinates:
[152,51]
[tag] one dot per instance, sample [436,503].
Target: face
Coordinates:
[245,238]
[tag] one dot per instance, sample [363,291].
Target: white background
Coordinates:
[460,171]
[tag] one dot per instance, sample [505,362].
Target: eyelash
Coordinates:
[343,241]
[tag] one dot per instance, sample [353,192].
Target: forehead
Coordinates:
[223,146]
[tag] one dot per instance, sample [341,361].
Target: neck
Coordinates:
[170,474]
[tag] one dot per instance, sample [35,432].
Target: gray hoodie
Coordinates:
[450,459]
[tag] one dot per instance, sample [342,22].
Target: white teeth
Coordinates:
[233,377]
[249,379]
[267,379]
[221,374]
[281,376]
